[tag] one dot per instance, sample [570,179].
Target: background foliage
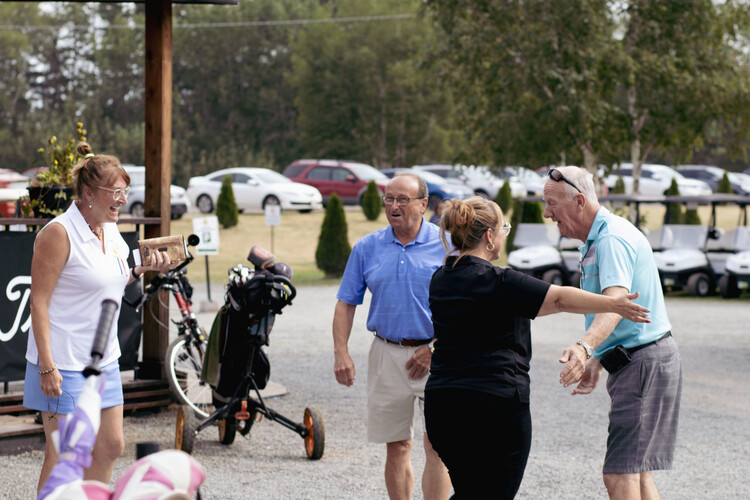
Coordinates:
[534,83]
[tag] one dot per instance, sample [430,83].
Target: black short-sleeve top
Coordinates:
[482,320]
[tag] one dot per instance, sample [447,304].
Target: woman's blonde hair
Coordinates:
[95,171]
[467,221]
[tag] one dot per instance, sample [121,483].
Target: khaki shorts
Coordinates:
[391,394]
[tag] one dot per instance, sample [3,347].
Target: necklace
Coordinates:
[98,235]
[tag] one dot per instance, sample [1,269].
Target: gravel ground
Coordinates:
[569,432]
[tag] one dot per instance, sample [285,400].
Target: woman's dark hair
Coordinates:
[95,171]
[467,221]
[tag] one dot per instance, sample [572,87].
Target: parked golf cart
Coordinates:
[541,252]
[693,257]
[730,254]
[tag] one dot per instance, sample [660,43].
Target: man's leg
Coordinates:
[648,488]
[631,486]
[399,476]
[436,483]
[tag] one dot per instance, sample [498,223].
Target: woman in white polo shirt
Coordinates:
[79,259]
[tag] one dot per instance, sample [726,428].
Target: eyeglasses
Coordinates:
[401,201]
[116,193]
[505,228]
[558,176]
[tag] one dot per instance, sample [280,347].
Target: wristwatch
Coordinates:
[586,347]
[431,346]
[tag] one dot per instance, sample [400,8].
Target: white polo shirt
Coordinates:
[89,276]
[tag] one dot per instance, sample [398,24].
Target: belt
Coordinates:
[405,342]
[639,347]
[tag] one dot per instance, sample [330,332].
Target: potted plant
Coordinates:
[51,189]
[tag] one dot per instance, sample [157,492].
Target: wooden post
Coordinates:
[158,169]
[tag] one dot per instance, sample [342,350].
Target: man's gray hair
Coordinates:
[422,191]
[582,178]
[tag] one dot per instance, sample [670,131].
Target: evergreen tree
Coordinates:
[674,210]
[725,186]
[504,197]
[226,208]
[619,187]
[372,205]
[333,243]
[530,211]
[692,217]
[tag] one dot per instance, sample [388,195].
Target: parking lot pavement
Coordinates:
[569,434]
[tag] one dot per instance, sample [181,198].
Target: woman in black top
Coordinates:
[481,315]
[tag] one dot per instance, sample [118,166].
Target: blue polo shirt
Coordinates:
[398,277]
[616,253]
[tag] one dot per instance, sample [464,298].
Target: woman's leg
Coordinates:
[109,445]
[49,421]
[484,440]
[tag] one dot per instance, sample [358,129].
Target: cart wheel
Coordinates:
[575,279]
[553,276]
[244,426]
[186,429]
[700,285]
[315,440]
[227,430]
[728,287]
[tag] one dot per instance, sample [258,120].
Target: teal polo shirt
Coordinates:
[616,253]
[398,277]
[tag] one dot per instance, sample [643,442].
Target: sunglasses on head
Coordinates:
[558,176]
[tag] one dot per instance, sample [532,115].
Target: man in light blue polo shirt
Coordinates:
[644,365]
[396,264]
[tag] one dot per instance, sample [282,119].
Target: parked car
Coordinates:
[532,182]
[177,195]
[439,189]
[12,186]
[656,179]
[712,175]
[478,179]
[254,188]
[348,179]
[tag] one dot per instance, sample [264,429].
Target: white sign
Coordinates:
[273,215]
[207,229]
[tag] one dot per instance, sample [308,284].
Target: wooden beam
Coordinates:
[158,167]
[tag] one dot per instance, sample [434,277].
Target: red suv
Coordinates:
[348,179]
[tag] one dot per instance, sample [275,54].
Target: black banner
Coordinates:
[15,317]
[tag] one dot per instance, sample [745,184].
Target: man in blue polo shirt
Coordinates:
[644,365]
[396,264]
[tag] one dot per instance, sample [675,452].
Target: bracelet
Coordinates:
[46,372]
[135,276]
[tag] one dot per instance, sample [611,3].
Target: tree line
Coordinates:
[387,82]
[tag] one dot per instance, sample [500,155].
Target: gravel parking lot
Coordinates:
[569,432]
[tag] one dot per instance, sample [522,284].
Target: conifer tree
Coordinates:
[504,197]
[226,207]
[333,243]
[372,204]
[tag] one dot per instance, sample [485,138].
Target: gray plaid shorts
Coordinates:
[645,410]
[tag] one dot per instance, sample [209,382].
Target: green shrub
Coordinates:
[725,186]
[530,211]
[619,187]
[691,217]
[673,214]
[333,243]
[372,205]
[226,208]
[504,197]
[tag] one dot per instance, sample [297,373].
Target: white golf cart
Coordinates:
[694,257]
